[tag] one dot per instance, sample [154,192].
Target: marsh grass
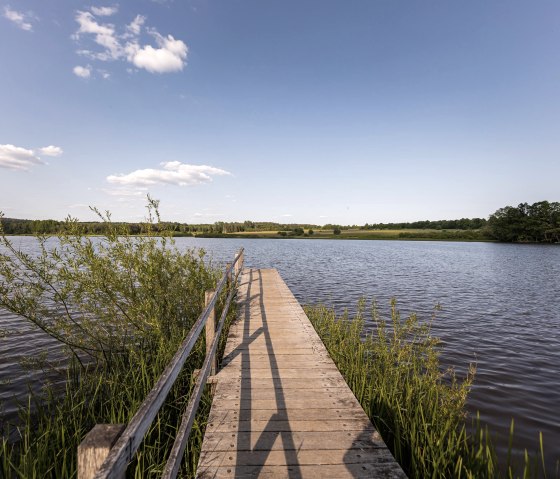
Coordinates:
[48,438]
[418,408]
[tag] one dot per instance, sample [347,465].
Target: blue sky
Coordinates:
[294,111]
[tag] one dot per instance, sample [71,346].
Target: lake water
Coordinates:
[500,309]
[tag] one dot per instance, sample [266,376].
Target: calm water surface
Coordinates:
[501,309]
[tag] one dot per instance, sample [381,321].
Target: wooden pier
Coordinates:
[281,407]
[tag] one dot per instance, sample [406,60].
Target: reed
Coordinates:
[52,425]
[418,407]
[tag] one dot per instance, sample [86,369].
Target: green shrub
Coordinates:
[121,305]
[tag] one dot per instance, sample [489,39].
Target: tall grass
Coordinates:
[418,408]
[49,437]
[120,305]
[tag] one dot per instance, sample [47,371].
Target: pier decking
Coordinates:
[281,407]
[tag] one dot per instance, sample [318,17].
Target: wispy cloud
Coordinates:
[124,43]
[105,11]
[173,173]
[18,158]
[22,20]
[51,150]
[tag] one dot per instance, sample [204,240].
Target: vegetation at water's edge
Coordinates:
[419,409]
[120,306]
[536,223]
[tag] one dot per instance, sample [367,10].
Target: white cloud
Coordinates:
[105,11]
[18,158]
[173,172]
[82,72]
[51,150]
[168,55]
[20,19]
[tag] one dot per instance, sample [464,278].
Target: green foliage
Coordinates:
[121,306]
[461,224]
[336,231]
[456,235]
[310,232]
[105,296]
[539,222]
[419,409]
[298,231]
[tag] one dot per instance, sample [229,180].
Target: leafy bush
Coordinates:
[105,296]
[120,305]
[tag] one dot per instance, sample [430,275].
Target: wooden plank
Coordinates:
[319,395]
[272,441]
[301,457]
[336,471]
[316,425]
[281,407]
[229,415]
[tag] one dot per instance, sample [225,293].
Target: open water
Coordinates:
[500,309]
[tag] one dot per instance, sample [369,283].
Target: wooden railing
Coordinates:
[107,449]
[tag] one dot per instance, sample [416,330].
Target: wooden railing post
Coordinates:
[239,264]
[95,447]
[230,275]
[210,327]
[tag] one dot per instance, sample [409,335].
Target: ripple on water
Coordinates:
[501,309]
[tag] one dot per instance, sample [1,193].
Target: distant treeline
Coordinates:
[536,223]
[15,226]
[539,222]
[462,224]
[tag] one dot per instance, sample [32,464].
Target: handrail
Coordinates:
[176,455]
[122,453]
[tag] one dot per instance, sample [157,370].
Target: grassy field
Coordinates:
[410,234]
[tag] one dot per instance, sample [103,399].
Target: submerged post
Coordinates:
[210,327]
[95,447]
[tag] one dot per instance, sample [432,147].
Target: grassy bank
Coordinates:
[363,234]
[418,408]
[119,305]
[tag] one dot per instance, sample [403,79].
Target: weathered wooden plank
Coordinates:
[229,415]
[281,407]
[301,457]
[289,403]
[272,441]
[286,383]
[335,471]
[317,425]
[284,374]
[319,395]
